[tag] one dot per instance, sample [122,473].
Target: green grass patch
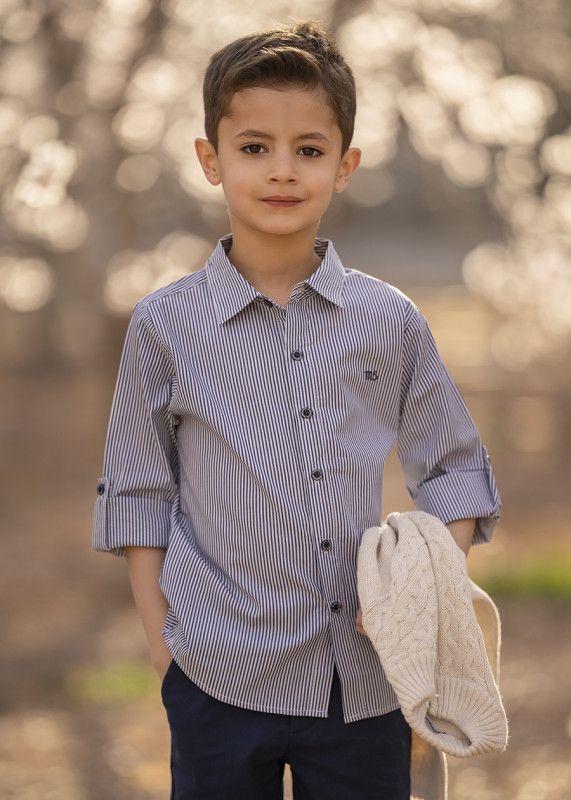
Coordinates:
[114,683]
[543,577]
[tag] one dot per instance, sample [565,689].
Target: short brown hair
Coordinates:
[302,54]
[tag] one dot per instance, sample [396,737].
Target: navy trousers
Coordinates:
[222,752]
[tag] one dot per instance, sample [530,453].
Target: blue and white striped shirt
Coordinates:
[249,441]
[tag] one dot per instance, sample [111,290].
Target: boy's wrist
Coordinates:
[161,658]
[462,531]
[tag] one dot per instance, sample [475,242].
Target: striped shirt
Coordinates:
[249,440]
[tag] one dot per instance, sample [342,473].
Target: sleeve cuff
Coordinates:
[463,495]
[122,522]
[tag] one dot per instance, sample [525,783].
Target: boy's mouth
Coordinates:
[282,201]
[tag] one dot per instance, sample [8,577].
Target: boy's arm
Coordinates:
[136,495]
[462,531]
[144,565]
[446,467]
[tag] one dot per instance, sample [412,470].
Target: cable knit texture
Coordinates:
[416,599]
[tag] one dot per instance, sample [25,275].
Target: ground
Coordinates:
[52,748]
[80,714]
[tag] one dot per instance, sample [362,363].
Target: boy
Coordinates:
[256,403]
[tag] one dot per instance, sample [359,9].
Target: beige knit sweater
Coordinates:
[416,599]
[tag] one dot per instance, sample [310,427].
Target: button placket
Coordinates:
[304,385]
[302,392]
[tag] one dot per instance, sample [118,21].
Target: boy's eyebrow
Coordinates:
[250,133]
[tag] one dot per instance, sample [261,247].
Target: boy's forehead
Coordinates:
[267,106]
[260,99]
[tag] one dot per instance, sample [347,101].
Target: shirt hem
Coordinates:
[292,712]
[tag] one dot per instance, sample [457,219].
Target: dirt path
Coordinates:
[66,609]
[60,750]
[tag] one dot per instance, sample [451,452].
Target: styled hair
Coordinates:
[301,55]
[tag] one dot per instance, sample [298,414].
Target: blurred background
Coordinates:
[463,201]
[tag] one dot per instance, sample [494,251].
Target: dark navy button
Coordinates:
[336,607]
[267,302]
[326,544]
[317,474]
[297,355]
[100,488]
[306,413]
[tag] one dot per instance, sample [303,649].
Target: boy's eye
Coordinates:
[310,152]
[253,149]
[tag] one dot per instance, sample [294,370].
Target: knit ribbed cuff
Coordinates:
[470,717]
[456,716]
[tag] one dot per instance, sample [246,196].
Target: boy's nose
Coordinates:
[282,170]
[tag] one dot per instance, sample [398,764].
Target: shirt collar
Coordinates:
[232,292]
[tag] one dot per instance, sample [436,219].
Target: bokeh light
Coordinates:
[26,284]
[445,73]
[131,275]
[138,173]
[464,121]
[556,154]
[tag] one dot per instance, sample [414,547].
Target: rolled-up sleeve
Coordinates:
[446,467]
[136,494]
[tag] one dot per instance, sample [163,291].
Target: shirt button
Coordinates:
[306,413]
[297,355]
[326,544]
[317,475]
[100,488]
[267,301]
[336,607]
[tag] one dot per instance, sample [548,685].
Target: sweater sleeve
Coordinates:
[138,489]
[446,467]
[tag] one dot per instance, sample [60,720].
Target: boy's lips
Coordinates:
[282,201]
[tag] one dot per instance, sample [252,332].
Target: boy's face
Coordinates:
[279,161]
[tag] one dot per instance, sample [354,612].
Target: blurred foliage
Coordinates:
[111,683]
[543,576]
[103,200]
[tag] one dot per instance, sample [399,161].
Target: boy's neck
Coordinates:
[274,264]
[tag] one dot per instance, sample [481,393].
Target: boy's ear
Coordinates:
[349,163]
[208,160]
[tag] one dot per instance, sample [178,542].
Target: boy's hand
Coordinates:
[359,622]
[161,662]
[144,565]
